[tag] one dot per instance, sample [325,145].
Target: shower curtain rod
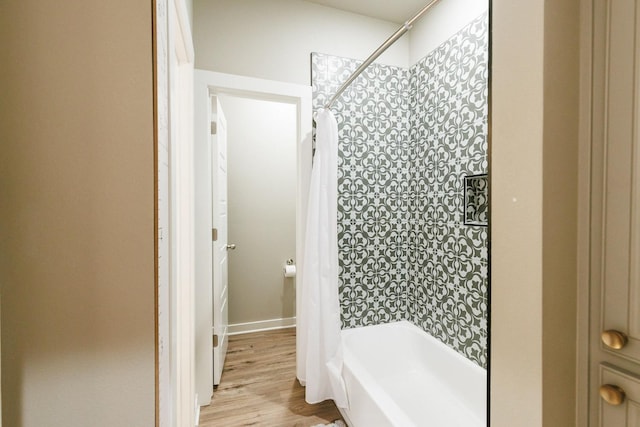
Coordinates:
[391,40]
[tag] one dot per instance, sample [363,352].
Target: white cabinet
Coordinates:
[621,214]
[615,215]
[627,413]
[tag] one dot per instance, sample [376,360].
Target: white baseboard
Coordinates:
[262,325]
[197,409]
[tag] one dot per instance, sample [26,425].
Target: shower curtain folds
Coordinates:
[319,324]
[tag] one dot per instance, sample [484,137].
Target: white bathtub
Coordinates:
[399,376]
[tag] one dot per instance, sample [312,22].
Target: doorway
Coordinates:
[262,172]
[220,86]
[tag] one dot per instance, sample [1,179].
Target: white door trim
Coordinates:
[208,83]
[175,372]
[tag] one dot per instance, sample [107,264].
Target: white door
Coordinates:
[615,269]
[220,245]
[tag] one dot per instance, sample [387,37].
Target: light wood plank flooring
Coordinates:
[259,386]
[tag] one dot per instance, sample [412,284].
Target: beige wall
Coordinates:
[77,213]
[262,207]
[559,210]
[533,237]
[516,201]
[272,39]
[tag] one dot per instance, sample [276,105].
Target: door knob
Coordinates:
[614,339]
[612,394]
[231,247]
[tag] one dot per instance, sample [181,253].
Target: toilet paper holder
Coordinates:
[289,269]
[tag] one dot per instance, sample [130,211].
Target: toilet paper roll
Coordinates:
[289,271]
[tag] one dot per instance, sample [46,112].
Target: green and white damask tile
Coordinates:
[407,140]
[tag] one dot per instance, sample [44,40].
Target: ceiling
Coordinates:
[389,10]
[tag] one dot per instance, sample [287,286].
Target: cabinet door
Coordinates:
[615,213]
[621,216]
[627,413]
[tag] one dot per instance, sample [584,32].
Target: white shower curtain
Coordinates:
[319,318]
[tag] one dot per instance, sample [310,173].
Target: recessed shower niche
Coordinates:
[476,200]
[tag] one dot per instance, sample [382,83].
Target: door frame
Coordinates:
[181,311]
[584,209]
[207,83]
[173,75]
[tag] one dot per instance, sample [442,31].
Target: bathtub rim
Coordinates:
[381,398]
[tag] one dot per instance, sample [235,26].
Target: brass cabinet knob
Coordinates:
[612,394]
[614,339]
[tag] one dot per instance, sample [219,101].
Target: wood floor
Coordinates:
[259,386]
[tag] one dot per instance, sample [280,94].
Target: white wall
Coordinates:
[77,213]
[441,22]
[262,207]
[273,39]
[189,6]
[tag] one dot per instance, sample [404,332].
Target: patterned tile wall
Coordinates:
[373,179]
[407,139]
[447,290]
